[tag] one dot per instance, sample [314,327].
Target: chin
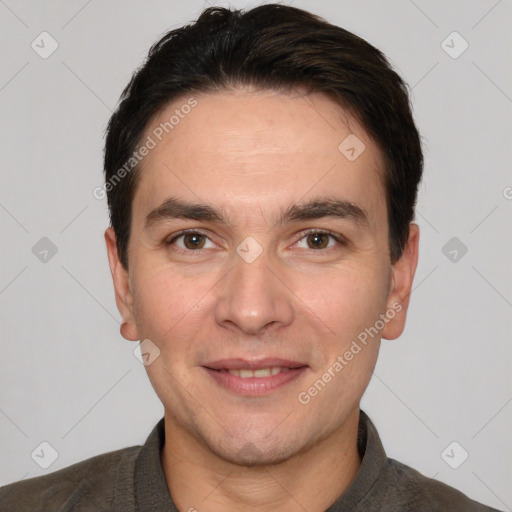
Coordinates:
[252,448]
[251,455]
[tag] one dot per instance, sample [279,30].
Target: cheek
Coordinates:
[160,304]
[346,300]
[166,313]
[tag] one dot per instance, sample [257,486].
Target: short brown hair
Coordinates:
[270,47]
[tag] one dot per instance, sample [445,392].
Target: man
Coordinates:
[261,171]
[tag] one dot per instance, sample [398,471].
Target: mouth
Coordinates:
[254,377]
[262,372]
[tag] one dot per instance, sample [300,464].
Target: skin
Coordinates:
[251,155]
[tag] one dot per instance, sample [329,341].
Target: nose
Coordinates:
[253,297]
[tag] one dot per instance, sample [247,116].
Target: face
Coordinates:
[258,256]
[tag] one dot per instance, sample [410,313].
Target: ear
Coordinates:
[402,275]
[124,298]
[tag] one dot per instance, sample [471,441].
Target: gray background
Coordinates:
[67,376]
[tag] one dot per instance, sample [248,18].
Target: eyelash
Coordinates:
[340,239]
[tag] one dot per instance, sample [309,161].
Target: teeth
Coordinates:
[262,372]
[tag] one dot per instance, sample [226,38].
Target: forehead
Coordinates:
[257,149]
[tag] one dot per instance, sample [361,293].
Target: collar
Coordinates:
[152,493]
[373,458]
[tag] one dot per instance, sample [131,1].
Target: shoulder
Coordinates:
[86,485]
[415,491]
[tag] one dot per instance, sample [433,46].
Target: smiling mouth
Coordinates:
[260,373]
[254,377]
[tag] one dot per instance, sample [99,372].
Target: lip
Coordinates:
[252,364]
[254,386]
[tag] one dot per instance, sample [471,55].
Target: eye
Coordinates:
[191,241]
[319,240]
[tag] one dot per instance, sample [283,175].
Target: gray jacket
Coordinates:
[132,480]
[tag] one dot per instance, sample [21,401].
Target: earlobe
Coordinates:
[402,278]
[124,298]
[129,331]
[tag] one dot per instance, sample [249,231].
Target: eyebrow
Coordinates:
[173,208]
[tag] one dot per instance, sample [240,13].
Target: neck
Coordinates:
[311,480]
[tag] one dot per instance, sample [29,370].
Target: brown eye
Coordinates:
[318,240]
[190,241]
[194,240]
